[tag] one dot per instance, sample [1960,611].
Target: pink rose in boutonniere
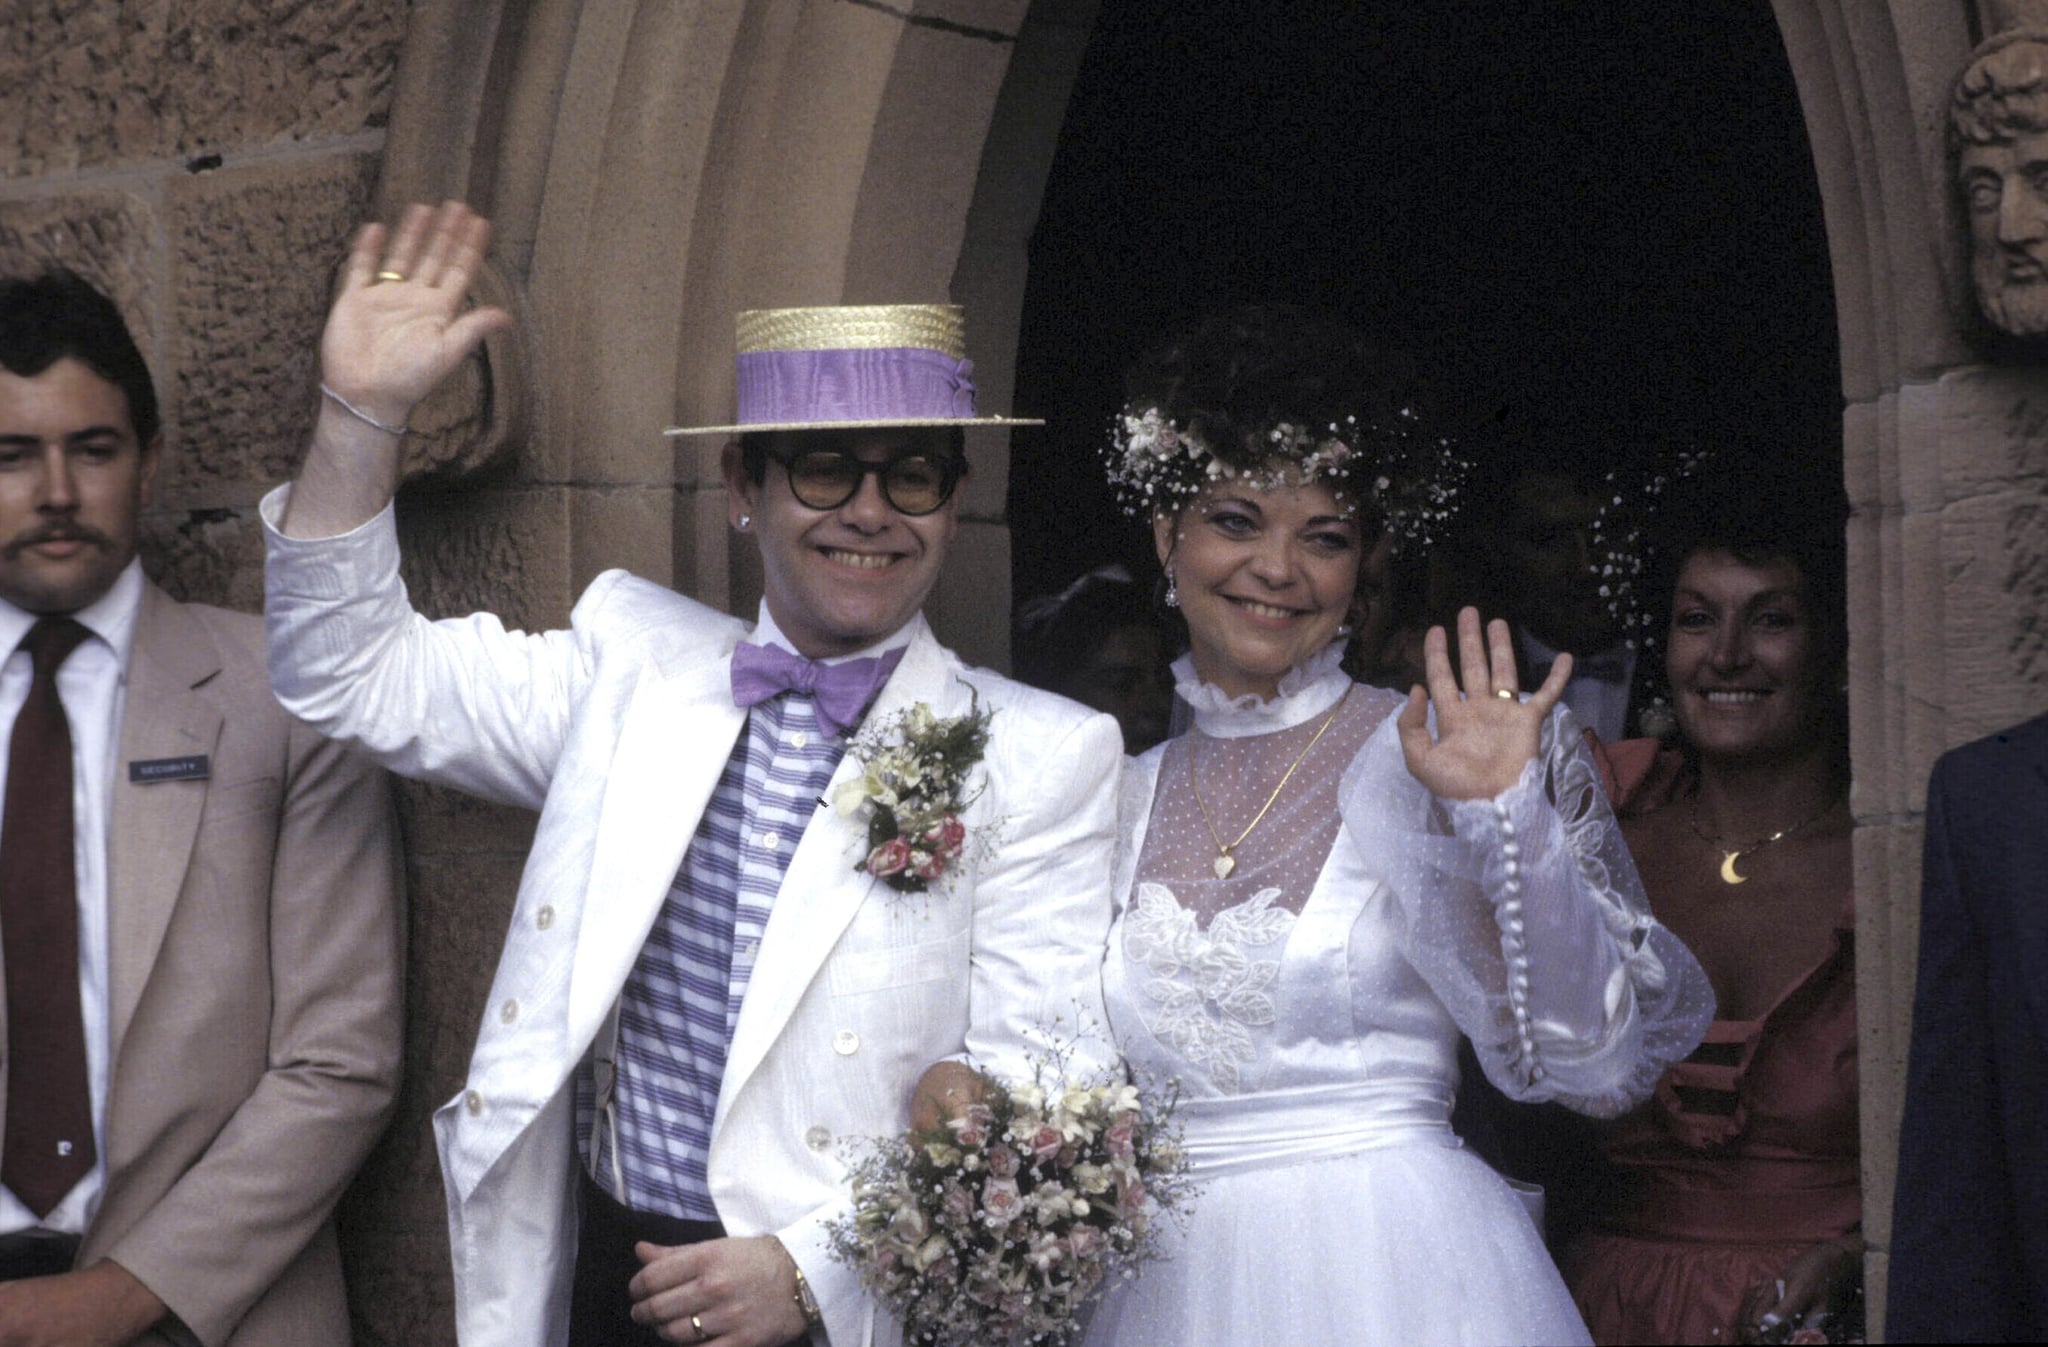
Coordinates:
[890,858]
[912,791]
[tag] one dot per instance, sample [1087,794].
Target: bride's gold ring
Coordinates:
[1507,694]
[697,1325]
[390,275]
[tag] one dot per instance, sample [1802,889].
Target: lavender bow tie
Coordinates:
[838,692]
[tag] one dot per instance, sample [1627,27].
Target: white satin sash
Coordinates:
[1232,1134]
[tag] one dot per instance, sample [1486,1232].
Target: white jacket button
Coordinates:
[818,1138]
[846,1042]
[509,1011]
[474,1102]
[544,918]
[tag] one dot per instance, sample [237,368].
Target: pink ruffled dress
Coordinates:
[1746,1157]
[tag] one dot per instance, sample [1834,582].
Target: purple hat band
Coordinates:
[891,383]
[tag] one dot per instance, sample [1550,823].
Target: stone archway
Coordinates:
[1945,462]
[655,164]
[646,162]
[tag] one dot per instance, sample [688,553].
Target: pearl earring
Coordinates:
[745,520]
[1172,589]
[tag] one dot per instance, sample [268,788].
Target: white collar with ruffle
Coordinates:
[1306,691]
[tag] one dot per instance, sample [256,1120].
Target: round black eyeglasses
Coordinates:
[913,484]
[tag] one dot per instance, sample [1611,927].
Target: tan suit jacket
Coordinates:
[255,990]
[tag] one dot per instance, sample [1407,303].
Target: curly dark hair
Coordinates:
[1270,383]
[1239,374]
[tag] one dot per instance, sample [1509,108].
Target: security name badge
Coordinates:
[197,767]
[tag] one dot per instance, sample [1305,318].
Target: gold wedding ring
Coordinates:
[697,1326]
[390,275]
[1505,693]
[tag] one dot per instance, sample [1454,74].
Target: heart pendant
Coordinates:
[1223,865]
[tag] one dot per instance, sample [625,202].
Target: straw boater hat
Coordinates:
[853,366]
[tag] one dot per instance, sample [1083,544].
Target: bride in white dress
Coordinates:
[1325,884]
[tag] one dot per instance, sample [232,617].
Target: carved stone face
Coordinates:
[2006,188]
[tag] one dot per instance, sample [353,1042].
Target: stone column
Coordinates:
[1947,471]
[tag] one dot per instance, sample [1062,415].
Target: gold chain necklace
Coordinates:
[1225,862]
[1729,855]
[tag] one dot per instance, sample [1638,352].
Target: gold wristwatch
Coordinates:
[805,1301]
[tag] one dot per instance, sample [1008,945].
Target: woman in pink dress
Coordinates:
[1730,1210]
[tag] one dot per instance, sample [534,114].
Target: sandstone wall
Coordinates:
[202,161]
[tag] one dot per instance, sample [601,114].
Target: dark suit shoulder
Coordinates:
[1993,767]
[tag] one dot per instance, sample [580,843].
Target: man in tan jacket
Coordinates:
[199,904]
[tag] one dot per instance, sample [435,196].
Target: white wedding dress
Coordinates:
[1309,1006]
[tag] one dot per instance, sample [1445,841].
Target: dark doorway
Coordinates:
[1584,213]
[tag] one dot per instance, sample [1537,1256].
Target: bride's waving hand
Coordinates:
[1485,732]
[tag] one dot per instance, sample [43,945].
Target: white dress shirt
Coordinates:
[90,684]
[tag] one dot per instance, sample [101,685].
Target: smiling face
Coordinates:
[838,580]
[1746,658]
[72,482]
[1265,578]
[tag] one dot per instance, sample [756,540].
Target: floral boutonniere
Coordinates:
[914,768]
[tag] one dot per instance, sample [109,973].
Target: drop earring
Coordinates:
[1172,589]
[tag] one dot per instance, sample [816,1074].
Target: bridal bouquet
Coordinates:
[1000,1226]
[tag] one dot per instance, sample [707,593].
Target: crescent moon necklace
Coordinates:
[1225,862]
[1729,855]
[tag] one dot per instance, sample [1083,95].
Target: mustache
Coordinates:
[55,533]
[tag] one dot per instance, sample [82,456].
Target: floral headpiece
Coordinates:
[1397,471]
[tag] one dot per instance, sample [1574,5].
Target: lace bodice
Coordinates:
[1220,785]
[1366,924]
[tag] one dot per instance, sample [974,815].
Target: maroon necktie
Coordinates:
[48,1145]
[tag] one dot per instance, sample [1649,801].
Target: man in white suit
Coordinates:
[701,995]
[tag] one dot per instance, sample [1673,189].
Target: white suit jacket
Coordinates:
[616,730]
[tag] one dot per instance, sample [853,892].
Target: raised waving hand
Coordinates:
[398,327]
[1485,733]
